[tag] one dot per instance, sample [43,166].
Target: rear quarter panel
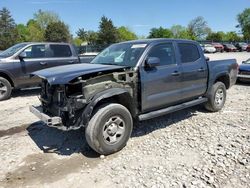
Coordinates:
[228,67]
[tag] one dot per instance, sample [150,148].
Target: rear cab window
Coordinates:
[59,50]
[189,52]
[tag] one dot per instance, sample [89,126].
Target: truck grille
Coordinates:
[244,72]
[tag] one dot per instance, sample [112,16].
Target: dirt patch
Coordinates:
[13,130]
[45,168]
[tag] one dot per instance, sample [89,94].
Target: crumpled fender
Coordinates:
[99,97]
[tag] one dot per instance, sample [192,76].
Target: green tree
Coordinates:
[126,34]
[44,18]
[35,32]
[160,33]
[92,37]
[180,32]
[108,33]
[77,41]
[23,33]
[57,32]
[82,34]
[215,36]
[244,23]
[8,30]
[198,28]
[232,37]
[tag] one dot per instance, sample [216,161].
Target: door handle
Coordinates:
[43,63]
[201,70]
[175,73]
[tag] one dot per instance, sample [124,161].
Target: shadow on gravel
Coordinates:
[26,92]
[52,140]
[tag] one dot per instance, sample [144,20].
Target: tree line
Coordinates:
[47,26]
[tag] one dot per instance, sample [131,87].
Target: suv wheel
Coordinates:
[109,129]
[216,97]
[5,89]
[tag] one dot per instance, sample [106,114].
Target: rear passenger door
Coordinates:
[60,54]
[194,71]
[161,84]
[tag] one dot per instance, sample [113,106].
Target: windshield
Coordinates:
[125,54]
[243,44]
[230,46]
[208,45]
[12,50]
[247,61]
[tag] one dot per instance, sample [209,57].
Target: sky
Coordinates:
[139,15]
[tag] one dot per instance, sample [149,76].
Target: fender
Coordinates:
[99,97]
[9,75]
[211,82]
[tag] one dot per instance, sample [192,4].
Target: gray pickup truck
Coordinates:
[140,79]
[17,62]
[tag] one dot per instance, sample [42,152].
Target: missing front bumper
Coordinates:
[50,121]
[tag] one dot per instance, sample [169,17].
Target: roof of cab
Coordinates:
[155,40]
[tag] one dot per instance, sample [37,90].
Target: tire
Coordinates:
[216,97]
[109,129]
[5,89]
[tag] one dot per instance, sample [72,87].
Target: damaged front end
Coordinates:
[69,106]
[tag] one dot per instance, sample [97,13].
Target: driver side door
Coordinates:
[161,85]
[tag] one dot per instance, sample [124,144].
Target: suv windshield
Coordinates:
[12,50]
[125,54]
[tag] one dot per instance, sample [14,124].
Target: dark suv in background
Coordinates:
[17,62]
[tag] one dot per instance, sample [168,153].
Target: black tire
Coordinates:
[216,97]
[104,123]
[5,89]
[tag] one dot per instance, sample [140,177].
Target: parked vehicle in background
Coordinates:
[218,46]
[248,48]
[241,46]
[229,48]
[140,79]
[208,48]
[244,71]
[88,52]
[17,62]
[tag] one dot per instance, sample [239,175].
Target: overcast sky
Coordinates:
[138,15]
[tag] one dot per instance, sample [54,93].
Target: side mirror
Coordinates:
[207,59]
[22,55]
[152,62]
[243,62]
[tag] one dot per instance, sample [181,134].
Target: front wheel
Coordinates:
[5,89]
[109,129]
[216,97]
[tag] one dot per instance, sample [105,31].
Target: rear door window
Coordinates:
[59,51]
[189,52]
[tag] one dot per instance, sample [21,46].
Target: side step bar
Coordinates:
[171,109]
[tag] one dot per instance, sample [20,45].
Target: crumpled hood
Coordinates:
[65,74]
[244,67]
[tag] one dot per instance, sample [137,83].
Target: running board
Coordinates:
[171,109]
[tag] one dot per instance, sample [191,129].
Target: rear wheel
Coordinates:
[5,89]
[216,97]
[109,129]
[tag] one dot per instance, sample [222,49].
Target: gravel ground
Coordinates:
[239,56]
[189,148]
